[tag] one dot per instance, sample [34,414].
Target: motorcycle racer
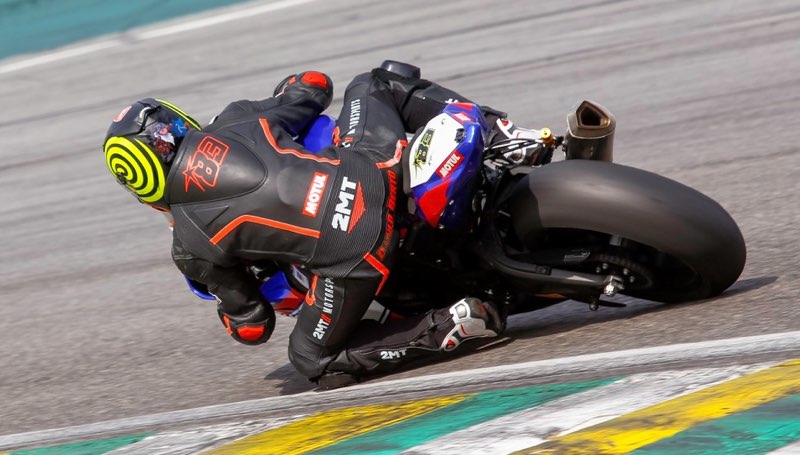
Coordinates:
[241,191]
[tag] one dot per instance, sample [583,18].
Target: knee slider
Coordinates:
[302,355]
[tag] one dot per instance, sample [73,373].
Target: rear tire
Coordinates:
[693,235]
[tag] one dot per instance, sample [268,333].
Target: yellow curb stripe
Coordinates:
[330,427]
[631,431]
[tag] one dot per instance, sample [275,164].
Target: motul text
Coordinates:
[449,164]
[314,195]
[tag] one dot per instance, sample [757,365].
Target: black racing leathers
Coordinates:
[242,192]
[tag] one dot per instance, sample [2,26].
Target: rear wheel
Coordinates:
[665,241]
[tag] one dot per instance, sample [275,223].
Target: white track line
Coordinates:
[192,441]
[787,343]
[195,24]
[534,426]
[792,449]
[220,19]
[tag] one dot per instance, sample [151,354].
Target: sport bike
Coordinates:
[495,223]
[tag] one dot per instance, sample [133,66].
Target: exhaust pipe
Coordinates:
[590,133]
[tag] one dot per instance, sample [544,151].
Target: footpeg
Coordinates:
[596,303]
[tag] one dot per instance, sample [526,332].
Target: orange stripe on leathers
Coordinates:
[299,154]
[263,221]
[398,153]
[380,268]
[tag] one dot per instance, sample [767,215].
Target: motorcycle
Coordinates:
[491,221]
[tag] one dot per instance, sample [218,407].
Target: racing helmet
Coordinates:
[140,147]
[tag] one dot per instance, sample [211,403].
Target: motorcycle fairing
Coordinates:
[319,134]
[442,162]
[279,292]
[199,289]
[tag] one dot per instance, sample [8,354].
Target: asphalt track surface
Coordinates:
[95,322]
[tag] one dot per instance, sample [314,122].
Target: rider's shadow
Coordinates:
[539,324]
[291,382]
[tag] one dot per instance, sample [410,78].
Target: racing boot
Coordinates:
[410,340]
[519,143]
[466,319]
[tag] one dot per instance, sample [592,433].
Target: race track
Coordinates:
[96,323]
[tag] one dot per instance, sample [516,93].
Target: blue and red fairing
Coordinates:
[446,197]
[284,298]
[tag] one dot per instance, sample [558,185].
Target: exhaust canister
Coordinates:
[590,132]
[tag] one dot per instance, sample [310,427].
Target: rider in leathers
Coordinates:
[242,191]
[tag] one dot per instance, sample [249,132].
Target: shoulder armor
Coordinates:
[210,168]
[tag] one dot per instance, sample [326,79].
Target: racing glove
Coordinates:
[306,79]
[251,325]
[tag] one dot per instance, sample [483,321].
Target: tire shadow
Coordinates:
[552,320]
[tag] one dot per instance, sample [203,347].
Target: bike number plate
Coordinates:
[434,151]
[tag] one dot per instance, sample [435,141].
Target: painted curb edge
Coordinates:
[776,343]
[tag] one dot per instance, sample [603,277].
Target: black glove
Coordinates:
[306,79]
[253,325]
